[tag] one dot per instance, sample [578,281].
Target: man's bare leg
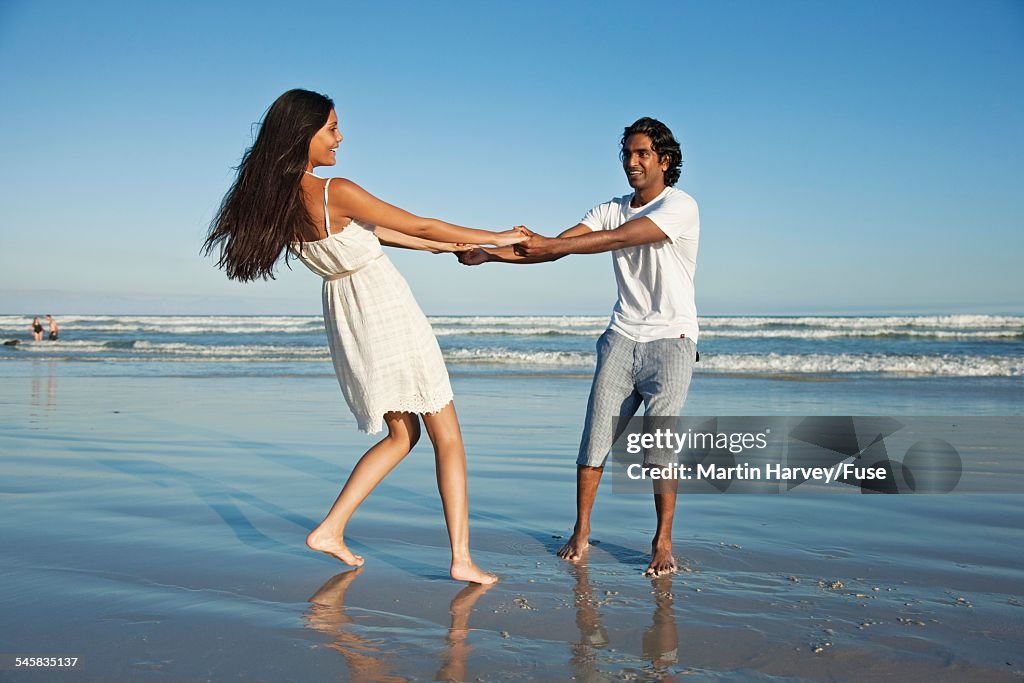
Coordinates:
[662,560]
[587,481]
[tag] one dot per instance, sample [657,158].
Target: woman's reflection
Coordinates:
[326,614]
[368,660]
[453,664]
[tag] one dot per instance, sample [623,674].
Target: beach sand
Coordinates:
[154,526]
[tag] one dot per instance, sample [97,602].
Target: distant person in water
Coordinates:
[385,355]
[53,327]
[37,329]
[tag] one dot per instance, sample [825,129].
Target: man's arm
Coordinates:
[630,234]
[475,257]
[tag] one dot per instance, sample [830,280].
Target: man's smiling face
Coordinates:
[641,163]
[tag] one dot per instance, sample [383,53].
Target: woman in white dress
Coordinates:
[385,355]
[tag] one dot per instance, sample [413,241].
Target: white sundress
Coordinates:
[384,351]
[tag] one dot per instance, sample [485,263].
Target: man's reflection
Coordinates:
[661,639]
[593,636]
[660,642]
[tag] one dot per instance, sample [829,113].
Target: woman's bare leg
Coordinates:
[450,458]
[329,536]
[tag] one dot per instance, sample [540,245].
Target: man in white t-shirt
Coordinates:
[647,353]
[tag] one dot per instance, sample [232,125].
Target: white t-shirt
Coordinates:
[656,298]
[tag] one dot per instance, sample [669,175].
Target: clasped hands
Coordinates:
[529,243]
[505,238]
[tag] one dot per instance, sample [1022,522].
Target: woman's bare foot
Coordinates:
[333,546]
[467,571]
[574,547]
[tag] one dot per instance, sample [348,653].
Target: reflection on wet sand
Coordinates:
[453,662]
[593,636]
[660,642]
[661,639]
[366,659]
[43,399]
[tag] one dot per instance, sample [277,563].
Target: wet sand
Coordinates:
[153,527]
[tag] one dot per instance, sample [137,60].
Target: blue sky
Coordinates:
[847,157]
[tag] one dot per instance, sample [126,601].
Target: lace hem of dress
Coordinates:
[421,405]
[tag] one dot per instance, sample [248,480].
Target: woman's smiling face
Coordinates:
[323,148]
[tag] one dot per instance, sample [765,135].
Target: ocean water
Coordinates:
[982,347]
[159,475]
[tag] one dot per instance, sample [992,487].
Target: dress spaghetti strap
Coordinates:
[327,213]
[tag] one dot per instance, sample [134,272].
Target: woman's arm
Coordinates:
[393,238]
[348,199]
[475,257]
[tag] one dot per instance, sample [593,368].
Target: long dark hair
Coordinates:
[662,142]
[263,212]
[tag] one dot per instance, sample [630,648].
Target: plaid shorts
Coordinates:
[655,373]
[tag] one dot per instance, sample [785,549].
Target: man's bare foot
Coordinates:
[333,546]
[662,561]
[574,547]
[467,571]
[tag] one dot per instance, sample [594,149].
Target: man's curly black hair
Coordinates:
[663,143]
